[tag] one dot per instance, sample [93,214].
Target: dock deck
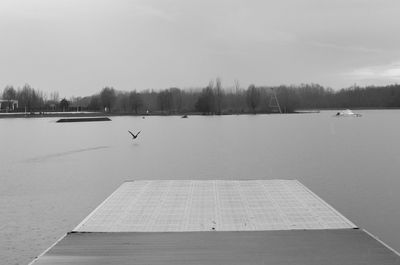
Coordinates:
[216,222]
[220,205]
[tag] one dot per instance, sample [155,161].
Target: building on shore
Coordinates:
[8,105]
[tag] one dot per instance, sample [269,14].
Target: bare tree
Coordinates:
[218,95]
[211,84]
[27,97]
[9,94]
[237,100]
[135,101]
[205,102]
[176,94]
[54,96]
[94,103]
[108,97]
[253,97]
[236,86]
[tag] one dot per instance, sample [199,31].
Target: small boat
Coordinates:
[184,116]
[347,113]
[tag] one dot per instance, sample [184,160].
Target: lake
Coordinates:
[54,174]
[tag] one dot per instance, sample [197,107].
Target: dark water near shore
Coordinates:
[52,175]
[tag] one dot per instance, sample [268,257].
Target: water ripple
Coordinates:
[61,154]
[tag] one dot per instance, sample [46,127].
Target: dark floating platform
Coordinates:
[85,119]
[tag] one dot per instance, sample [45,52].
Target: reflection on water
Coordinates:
[54,155]
[352,164]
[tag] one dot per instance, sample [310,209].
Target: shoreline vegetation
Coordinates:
[79,114]
[210,100]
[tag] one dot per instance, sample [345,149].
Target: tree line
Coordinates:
[212,99]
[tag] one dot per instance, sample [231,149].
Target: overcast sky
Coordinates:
[77,47]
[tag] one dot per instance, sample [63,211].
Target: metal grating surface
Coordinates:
[220,205]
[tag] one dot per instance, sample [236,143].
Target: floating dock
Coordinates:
[84,119]
[216,222]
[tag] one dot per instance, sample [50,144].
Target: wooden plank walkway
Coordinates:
[294,247]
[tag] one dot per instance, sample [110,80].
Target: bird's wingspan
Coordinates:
[131,133]
[138,133]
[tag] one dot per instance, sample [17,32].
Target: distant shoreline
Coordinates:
[99,114]
[102,114]
[51,114]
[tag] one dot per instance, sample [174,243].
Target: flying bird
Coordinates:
[133,135]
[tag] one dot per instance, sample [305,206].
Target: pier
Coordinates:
[216,222]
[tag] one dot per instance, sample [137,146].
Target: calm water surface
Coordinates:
[52,175]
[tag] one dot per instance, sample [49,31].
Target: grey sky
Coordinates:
[77,47]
